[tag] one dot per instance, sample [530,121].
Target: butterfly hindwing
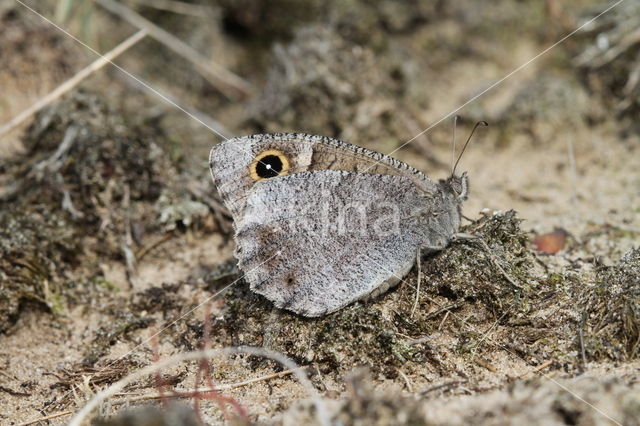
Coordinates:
[316,241]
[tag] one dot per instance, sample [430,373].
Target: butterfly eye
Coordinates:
[457,187]
[269,164]
[460,186]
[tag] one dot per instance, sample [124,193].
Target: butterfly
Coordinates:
[320,223]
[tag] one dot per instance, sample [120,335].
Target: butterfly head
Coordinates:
[458,186]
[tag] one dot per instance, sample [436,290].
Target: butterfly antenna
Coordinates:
[453,150]
[479,123]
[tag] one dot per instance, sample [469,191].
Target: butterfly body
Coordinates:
[320,223]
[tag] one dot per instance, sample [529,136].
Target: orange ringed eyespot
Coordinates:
[268,164]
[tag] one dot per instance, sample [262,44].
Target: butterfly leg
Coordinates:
[428,249]
[419,266]
[462,236]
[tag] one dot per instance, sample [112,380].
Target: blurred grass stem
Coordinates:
[72,82]
[228,83]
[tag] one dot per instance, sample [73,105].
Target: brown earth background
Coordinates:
[111,229]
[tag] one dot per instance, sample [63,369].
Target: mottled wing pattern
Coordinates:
[229,163]
[337,224]
[316,241]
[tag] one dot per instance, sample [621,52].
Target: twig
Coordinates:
[441,386]
[497,265]
[583,351]
[67,142]
[486,364]
[634,78]
[574,173]
[67,202]
[51,165]
[486,333]
[146,249]
[406,380]
[441,310]
[228,83]
[220,212]
[129,257]
[205,368]
[542,366]
[159,382]
[13,392]
[538,368]
[6,375]
[625,43]
[72,82]
[420,340]
[213,204]
[446,315]
[45,418]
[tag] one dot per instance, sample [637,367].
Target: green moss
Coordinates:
[495,269]
[555,279]
[100,281]
[55,301]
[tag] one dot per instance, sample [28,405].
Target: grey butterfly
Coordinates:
[320,223]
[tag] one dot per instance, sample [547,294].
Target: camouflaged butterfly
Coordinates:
[320,223]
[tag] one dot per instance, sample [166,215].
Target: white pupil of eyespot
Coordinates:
[269,166]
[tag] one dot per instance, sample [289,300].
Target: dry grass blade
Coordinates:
[72,82]
[194,392]
[95,402]
[222,79]
[45,418]
[206,120]
[596,59]
[179,7]
[442,386]
[176,394]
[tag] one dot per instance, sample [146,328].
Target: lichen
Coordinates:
[37,247]
[83,158]
[180,211]
[612,309]
[86,179]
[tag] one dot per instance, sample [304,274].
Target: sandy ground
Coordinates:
[556,170]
